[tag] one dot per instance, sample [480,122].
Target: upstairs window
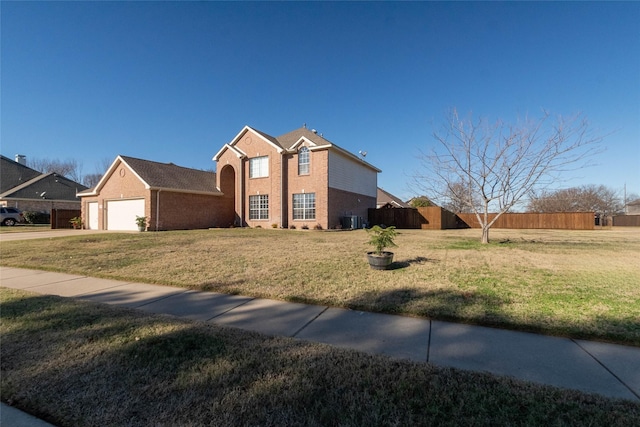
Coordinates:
[259,167]
[303,161]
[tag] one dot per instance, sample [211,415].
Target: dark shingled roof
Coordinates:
[13,174]
[49,186]
[385,198]
[170,176]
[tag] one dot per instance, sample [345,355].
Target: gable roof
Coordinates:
[163,176]
[289,143]
[385,198]
[231,145]
[47,186]
[291,139]
[13,174]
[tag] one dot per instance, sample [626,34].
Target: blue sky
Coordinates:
[174,81]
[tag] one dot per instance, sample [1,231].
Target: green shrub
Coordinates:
[32,217]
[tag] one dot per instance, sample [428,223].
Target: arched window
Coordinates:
[303,161]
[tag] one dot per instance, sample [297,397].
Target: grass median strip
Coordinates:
[582,284]
[83,364]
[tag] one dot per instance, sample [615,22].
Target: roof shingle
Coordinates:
[170,176]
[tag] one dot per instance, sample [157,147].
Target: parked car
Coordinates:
[10,216]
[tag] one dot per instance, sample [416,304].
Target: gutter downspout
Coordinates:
[241,192]
[158,209]
[283,158]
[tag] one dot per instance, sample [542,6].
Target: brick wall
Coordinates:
[184,211]
[314,182]
[343,203]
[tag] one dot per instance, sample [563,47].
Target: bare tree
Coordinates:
[92,179]
[460,198]
[500,163]
[69,168]
[599,199]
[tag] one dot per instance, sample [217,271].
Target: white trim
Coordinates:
[177,190]
[107,175]
[239,136]
[302,139]
[238,152]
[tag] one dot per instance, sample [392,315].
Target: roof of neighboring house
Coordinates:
[22,182]
[163,176]
[47,186]
[13,174]
[289,142]
[634,203]
[385,198]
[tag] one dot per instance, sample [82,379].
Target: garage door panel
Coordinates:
[93,215]
[121,214]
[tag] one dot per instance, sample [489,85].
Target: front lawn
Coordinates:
[82,364]
[582,284]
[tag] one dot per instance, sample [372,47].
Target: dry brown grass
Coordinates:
[81,364]
[577,283]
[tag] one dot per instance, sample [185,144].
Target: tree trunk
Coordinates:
[485,234]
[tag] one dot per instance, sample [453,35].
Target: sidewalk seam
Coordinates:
[606,368]
[429,340]
[159,299]
[52,283]
[309,322]
[232,308]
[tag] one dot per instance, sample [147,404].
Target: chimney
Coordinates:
[22,159]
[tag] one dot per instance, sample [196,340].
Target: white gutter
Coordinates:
[158,209]
[282,159]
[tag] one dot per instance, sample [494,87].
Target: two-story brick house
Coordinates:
[297,179]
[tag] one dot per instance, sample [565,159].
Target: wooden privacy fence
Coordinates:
[428,218]
[556,220]
[436,218]
[626,221]
[60,217]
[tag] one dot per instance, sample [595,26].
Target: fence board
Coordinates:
[626,221]
[60,217]
[556,220]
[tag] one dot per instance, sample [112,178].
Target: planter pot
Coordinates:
[380,262]
[141,228]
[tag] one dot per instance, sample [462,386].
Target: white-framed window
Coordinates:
[259,206]
[259,167]
[304,206]
[303,161]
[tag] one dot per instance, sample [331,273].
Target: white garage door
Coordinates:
[121,214]
[93,215]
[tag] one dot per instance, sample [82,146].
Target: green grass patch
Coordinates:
[83,364]
[581,284]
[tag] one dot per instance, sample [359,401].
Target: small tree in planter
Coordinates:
[76,222]
[381,238]
[141,221]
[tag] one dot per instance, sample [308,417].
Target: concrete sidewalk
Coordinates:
[592,367]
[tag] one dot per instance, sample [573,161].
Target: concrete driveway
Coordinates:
[28,235]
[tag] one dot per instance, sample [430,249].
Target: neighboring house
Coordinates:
[633,208]
[388,200]
[170,197]
[29,190]
[295,180]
